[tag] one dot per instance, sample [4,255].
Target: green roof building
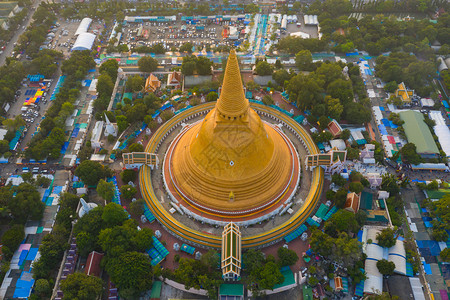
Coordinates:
[418,133]
[231,291]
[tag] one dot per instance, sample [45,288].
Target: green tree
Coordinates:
[323,122]
[137,113]
[128,191]
[268,100]
[105,190]
[43,181]
[345,220]
[386,238]
[136,147]
[391,86]
[81,286]
[11,239]
[385,267]
[342,249]
[166,115]
[281,76]
[409,154]
[28,177]
[137,207]
[263,68]
[122,123]
[87,230]
[91,172]
[303,60]
[334,107]
[52,251]
[356,187]
[14,124]
[286,257]
[4,146]
[135,83]
[113,215]
[253,260]
[147,64]
[251,85]
[110,67]
[389,184]
[445,255]
[26,204]
[203,65]
[356,113]
[186,47]
[212,96]
[188,66]
[337,179]
[439,235]
[128,175]
[340,197]
[270,276]
[131,272]
[105,85]
[42,287]
[433,185]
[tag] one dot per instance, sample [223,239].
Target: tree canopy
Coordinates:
[287,257]
[81,286]
[135,83]
[342,249]
[261,273]
[91,172]
[147,64]
[386,238]
[385,267]
[106,190]
[263,68]
[120,268]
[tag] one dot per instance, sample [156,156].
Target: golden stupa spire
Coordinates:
[232,103]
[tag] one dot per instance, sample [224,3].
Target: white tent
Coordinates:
[374,282]
[84,41]
[84,26]
[397,255]
[417,288]
[441,130]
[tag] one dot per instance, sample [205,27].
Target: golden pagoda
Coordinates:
[231,162]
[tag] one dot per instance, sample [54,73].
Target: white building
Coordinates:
[84,41]
[97,135]
[84,26]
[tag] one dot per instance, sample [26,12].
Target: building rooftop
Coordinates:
[417,132]
[93,264]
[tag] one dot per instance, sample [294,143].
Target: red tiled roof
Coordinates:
[334,128]
[93,264]
[352,202]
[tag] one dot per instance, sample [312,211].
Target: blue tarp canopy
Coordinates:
[35,78]
[187,249]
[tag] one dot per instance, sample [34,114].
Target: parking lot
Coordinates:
[176,34]
[61,36]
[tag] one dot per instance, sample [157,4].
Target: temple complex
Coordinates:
[231,163]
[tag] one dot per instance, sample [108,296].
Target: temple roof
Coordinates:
[232,102]
[231,152]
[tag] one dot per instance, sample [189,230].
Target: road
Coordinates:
[10,45]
